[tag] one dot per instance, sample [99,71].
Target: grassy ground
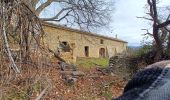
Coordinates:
[91,62]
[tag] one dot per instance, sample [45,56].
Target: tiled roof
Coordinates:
[81,31]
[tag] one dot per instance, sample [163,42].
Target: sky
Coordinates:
[125,23]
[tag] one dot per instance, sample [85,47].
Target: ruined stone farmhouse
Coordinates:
[72,43]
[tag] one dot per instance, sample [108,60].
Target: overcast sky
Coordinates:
[126,25]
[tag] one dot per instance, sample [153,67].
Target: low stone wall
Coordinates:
[125,63]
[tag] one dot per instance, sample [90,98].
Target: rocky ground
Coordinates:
[92,86]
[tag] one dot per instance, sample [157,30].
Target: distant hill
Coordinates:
[134,47]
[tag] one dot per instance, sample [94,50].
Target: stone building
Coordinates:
[72,43]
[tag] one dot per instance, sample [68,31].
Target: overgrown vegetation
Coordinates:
[147,53]
[142,50]
[92,62]
[22,53]
[160,19]
[26,73]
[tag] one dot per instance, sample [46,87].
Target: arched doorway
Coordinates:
[102,52]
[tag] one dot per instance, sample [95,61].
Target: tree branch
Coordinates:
[46,4]
[155,18]
[164,24]
[150,5]
[145,18]
[34,2]
[43,6]
[168,17]
[42,93]
[58,14]
[93,13]
[14,66]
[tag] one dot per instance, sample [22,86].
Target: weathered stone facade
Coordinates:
[81,43]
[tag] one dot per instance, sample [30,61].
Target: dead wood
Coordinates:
[42,93]
[65,66]
[20,28]
[56,55]
[69,80]
[14,66]
[104,71]
[73,73]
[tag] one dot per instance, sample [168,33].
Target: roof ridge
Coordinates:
[81,31]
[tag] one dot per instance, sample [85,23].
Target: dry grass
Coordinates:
[91,62]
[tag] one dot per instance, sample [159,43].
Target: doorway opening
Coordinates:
[86,51]
[102,52]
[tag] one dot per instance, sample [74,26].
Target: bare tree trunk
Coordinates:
[159,45]
[156,27]
[168,44]
[14,66]
[27,47]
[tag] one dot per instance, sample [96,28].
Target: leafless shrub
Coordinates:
[22,53]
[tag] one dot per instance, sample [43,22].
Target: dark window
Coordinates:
[101,41]
[65,46]
[64,43]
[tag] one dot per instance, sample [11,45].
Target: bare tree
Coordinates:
[84,13]
[19,28]
[159,26]
[20,31]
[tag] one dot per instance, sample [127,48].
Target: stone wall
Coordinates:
[78,40]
